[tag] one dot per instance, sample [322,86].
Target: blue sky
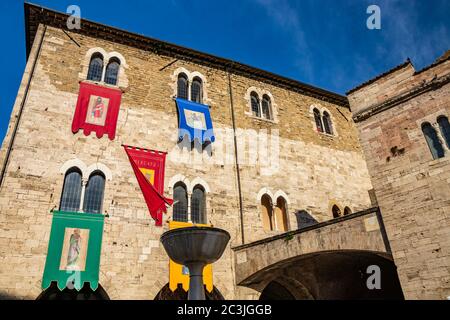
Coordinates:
[321,42]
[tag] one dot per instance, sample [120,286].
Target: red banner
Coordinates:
[148,166]
[97,110]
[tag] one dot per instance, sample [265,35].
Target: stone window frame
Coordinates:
[323,109]
[260,93]
[274,196]
[190,76]
[107,57]
[432,119]
[86,172]
[190,185]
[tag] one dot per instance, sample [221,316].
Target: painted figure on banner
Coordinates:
[97,110]
[74,249]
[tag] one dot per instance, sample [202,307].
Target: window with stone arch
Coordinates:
[267,213]
[95,189]
[180,206]
[95,71]
[347,211]
[112,71]
[327,124]
[254,100]
[336,211]
[182,86]
[280,215]
[198,205]
[266,107]
[432,139]
[197,90]
[71,193]
[444,127]
[318,120]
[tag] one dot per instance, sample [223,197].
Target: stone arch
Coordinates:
[100,167]
[334,203]
[262,192]
[190,75]
[322,109]
[281,193]
[122,77]
[179,178]
[199,181]
[74,163]
[331,274]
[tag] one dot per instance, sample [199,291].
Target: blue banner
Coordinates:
[194,122]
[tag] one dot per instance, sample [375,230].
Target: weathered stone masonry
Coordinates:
[315,172]
[412,189]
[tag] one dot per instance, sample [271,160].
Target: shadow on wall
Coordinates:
[7,296]
[304,219]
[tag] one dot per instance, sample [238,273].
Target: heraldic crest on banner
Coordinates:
[97,110]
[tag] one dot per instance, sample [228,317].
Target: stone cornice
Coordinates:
[417,91]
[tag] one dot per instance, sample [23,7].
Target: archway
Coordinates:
[276,291]
[179,294]
[86,293]
[327,275]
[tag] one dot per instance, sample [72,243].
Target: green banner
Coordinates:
[73,256]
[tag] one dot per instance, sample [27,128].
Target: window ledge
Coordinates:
[326,134]
[102,83]
[251,116]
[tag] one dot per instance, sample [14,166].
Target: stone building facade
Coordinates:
[306,171]
[402,119]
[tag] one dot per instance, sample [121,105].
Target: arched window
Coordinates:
[318,120]
[180,207]
[336,211]
[198,205]
[93,197]
[347,211]
[112,71]
[266,212]
[444,126]
[266,107]
[182,90]
[433,142]
[327,123]
[255,104]
[71,194]
[197,90]
[281,215]
[95,71]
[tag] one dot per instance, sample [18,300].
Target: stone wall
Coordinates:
[315,170]
[412,189]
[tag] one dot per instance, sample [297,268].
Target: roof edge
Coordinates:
[55,19]
[370,81]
